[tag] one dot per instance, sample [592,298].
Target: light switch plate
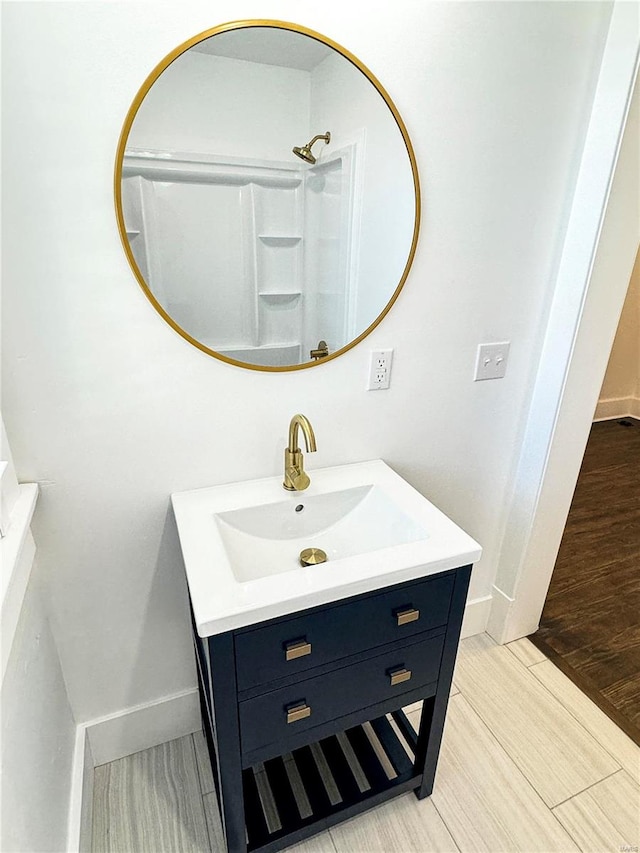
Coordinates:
[491,361]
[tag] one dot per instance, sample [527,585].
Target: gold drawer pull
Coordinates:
[408,615]
[298,712]
[397,676]
[297,649]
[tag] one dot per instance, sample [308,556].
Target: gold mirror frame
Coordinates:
[124,134]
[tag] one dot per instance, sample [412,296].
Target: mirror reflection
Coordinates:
[268,195]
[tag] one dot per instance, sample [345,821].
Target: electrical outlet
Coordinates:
[380,369]
[491,362]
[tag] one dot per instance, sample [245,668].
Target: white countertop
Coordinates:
[221,602]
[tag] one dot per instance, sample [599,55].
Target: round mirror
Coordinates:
[267,195]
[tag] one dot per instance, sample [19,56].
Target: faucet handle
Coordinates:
[295,478]
[299,479]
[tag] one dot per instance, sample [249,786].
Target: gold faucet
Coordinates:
[295,479]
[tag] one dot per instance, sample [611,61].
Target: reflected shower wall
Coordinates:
[251,260]
[325,256]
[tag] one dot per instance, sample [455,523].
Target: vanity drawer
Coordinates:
[293,645]
[276,716]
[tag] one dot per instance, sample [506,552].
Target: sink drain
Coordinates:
[312,556]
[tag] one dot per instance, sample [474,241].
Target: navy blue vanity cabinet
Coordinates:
[303,714]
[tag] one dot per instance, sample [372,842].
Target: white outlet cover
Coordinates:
[491,361]
[379,369]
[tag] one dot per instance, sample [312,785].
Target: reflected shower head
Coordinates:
[305,154]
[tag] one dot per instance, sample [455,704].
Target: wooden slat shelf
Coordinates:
[350,765]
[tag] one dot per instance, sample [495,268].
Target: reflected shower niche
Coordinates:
[281,236]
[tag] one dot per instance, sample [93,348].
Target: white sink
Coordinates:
[241,542]
[266,540]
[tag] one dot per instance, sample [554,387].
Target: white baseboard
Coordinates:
[81,801]
[86,811]
[135,729]
[77,801]
[617,407]
[115,736]
[475,618]
[498,618]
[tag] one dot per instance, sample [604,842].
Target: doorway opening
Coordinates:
[590,624]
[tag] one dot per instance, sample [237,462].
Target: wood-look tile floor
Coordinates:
[590,625]
[528,763]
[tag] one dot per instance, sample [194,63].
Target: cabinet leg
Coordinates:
[424,756]
[223,681]
[433,716]
[422,793]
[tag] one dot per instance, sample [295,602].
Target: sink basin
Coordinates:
[266,540]
[241,542]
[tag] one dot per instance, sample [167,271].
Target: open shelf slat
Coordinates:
[345,764]
[312,782]
[373,770]
[408,732]
[339,765]
[256,823]
[282,794]
[392,746]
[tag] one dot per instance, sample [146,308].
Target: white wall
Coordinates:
[620,392]
[38,736]
[347,104]
[111,411]
[214,104]
[601,241]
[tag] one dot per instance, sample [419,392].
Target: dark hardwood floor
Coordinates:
[590,625]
